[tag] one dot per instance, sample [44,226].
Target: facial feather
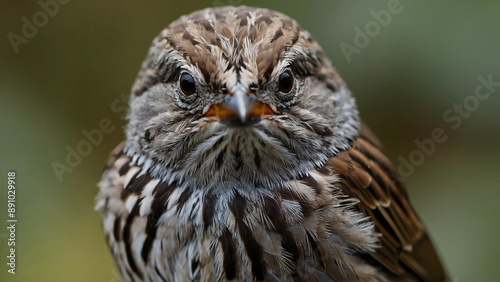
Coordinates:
[221,48]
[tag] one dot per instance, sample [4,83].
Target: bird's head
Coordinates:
[238,94]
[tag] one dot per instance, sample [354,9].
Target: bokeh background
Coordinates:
[72,73]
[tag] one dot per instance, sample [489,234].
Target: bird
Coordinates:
[245,159]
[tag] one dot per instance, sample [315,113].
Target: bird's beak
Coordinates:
[240,103]
[239,109]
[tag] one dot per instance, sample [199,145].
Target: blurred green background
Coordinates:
[68,76]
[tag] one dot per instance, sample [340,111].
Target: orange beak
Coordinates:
[239,109]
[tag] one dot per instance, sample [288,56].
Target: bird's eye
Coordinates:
[187,84]
[285,81]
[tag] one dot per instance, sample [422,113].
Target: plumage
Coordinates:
[245,159]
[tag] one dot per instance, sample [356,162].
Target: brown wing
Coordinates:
[365,173]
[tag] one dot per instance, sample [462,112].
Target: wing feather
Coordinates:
[368,175]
